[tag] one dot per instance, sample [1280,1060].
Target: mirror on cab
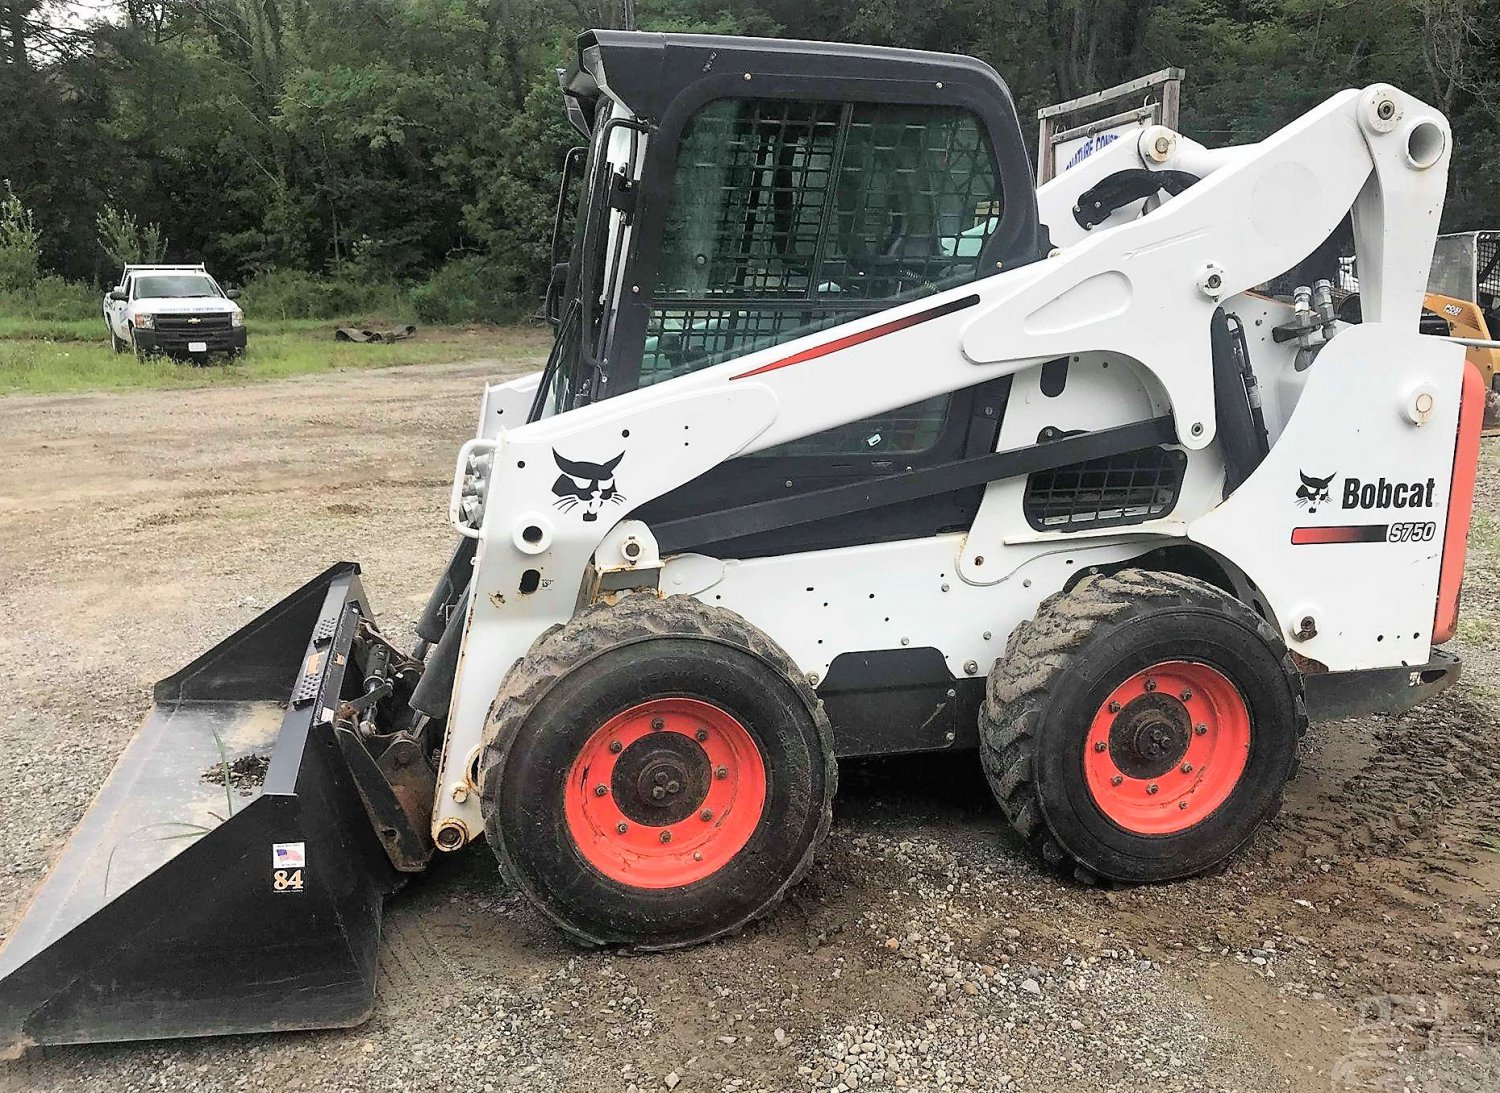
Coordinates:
[118,295]
[232,293]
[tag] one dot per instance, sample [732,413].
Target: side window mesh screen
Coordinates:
[789,216]
[1123,489]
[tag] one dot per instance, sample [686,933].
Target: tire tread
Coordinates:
[1039,654]
[597,629]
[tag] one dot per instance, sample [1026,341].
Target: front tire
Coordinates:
[115,344]
[1142,727]
[656,773]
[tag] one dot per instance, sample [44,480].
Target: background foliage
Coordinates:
[335,149]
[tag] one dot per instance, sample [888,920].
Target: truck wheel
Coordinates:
[1142,727]
[656,773]
[114,341]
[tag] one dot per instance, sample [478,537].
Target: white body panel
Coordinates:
[893,595]
[506,405]
[1137,294]
[1371,602]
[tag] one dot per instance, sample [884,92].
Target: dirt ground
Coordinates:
[1354,945]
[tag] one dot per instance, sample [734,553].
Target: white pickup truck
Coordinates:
[177,310]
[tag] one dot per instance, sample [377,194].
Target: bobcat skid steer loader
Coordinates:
[851,443]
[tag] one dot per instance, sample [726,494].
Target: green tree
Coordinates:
[126,240]
[20,243]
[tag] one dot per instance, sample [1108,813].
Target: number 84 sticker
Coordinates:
[288,862]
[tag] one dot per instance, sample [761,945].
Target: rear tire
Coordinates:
[1141,728]
[688,728]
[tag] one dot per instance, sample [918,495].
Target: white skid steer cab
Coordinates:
[852,442]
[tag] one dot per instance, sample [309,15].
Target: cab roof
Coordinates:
[647,71]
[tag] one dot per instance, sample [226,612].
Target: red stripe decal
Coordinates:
[1350,533]
[863,336]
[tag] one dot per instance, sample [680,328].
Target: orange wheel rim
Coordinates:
[1167,747]
[665,793]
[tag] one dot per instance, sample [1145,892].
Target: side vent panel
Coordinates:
[1131,488]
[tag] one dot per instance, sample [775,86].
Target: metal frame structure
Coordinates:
[1162,93]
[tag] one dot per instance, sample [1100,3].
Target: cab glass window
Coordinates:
[789,216]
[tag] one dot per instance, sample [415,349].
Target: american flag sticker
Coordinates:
[288,855]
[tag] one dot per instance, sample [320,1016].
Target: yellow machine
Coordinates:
[1464,292]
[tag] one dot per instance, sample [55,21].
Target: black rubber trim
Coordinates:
[895,489]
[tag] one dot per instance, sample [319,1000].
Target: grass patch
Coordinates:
[290,348]
[1476,629]
[1484,540]
[57,330]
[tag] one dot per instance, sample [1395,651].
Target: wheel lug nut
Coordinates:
[706,815]
[1114,707]
[1150,684]
[702,735]
[615,746]
[661,777]
[622,828]
[1116,780]
[666,836]
[600,790]
[673,787]
[1100,745]
[1182,805]
[721,772]
[1152,788]
[697,855]
[657,793]
[1187,768]
[1186,695]
[658,723]
[1200,729]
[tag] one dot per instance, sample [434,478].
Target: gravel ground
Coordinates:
[926,951]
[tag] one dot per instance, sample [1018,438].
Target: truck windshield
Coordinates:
[175,284]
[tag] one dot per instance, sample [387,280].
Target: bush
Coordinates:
[292,294]
[467,290]
[53,299]
[20,243]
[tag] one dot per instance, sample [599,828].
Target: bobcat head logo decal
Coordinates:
[1313,491]
[586,484]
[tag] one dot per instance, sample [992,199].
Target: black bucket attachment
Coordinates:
[227,877]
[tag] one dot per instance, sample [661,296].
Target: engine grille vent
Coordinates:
[1121,489]
[191,324]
